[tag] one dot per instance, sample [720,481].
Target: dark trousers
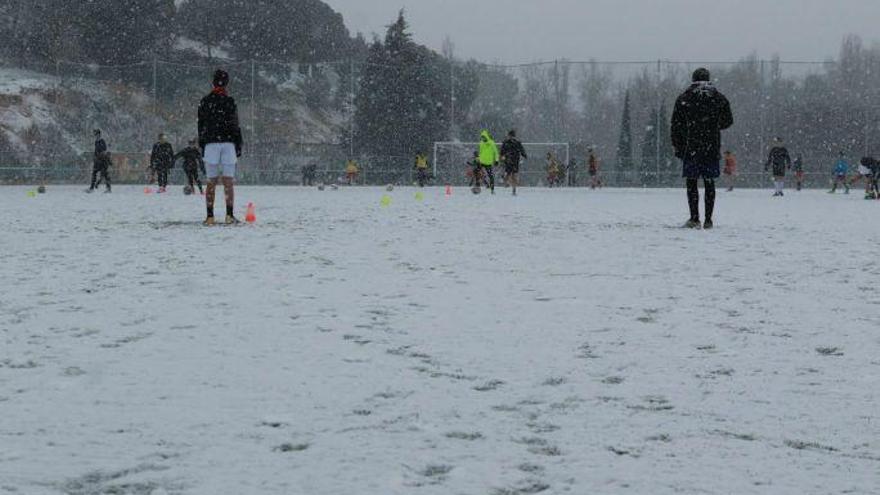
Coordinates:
[192,178]
[104,176]
[162,176]
[489,177]
[422,177]
[693,194]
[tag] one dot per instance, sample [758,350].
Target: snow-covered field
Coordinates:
[563,341]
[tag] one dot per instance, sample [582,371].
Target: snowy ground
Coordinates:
[564,341]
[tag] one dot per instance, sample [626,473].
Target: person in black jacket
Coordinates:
[220,139]
[780,161]
[162,160]
[512,152]
[700,114]
[192,164]
[100,164]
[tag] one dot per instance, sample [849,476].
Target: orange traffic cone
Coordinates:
[448,190]
[251,215]
[148,190]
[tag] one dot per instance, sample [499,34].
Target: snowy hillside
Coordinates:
[559,342]
[39,126]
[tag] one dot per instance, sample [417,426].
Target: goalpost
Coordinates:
[450,157]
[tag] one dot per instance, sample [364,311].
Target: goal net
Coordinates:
[451,162]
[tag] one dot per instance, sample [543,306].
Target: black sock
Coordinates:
[710,197]
[210,212]
[693,195]
[229,210]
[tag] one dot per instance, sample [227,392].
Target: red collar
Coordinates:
[219,90]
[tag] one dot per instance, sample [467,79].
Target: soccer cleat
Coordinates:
[708,225]
[692,224]
[231,220]
[208,222]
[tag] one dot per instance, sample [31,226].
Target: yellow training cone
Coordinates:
[386,201]
[420,196]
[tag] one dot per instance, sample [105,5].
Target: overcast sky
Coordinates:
[513,31]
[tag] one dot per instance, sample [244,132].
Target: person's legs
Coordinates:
[491,175]
[94,178]
[693,195]
[228,163]
[105,174]
[212,172]
[709,184]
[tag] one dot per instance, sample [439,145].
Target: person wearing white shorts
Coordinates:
[220,160]
[221,142]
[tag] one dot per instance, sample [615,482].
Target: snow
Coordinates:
[16,81]
[568,341]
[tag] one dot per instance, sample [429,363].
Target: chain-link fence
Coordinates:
[297,115]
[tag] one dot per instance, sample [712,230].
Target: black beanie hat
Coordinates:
[701,74]
[221,78]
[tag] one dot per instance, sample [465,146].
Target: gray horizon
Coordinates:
[509,31]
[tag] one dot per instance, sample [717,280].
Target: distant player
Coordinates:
[593,170]
[864,173]
[512,154]
[841,170]
[700,114]
[552,168]
[421,166]
[488,158]
[798,167]
[351,172]
[729,170]
[875,181]
[778,160]
[162,159]
[192,165]
[220,139]
[100,164]
[867,172]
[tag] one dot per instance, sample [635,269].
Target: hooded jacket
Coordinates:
[700,114]
[488,150]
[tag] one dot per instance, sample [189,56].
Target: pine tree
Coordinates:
[624,145]
[401,105]
[649,147]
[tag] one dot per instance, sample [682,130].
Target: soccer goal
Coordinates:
[451,159]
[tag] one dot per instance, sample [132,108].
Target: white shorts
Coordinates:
[220,160]
[864,170]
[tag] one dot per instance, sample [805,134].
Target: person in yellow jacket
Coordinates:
[351,172]
[421,166]
[552,171]
[488,158]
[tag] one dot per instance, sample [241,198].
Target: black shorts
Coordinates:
[510,168]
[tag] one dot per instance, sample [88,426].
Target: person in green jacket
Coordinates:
[488,157]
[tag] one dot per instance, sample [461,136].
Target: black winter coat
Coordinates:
[192,159]
[102,156]
[779,160]
[512,151]
[218,121]
[162,157]
[700,114]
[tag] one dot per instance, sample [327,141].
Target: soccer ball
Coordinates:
[41,189]
[390,187]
